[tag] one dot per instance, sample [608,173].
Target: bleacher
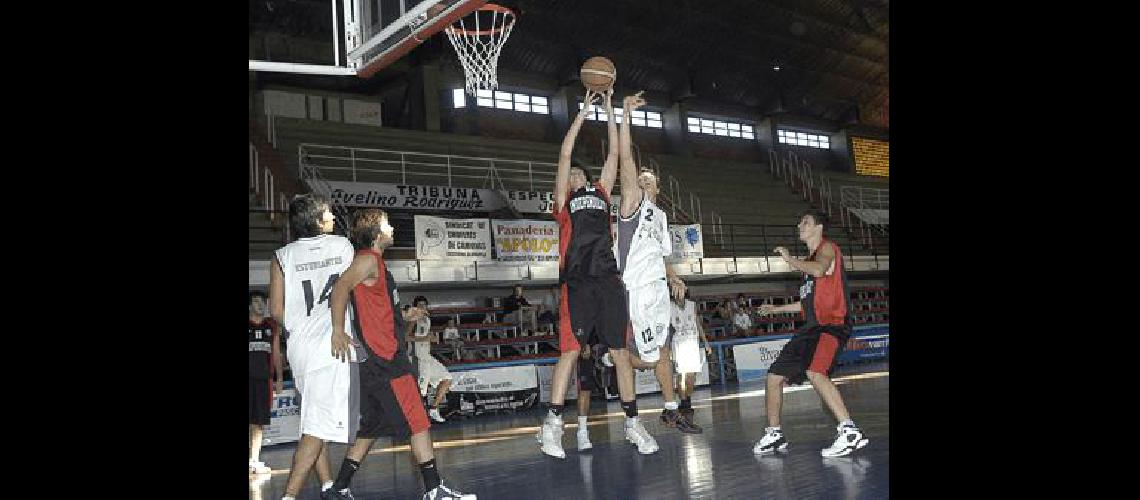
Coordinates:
[500,342]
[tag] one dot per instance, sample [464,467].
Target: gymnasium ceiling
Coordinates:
[833,55]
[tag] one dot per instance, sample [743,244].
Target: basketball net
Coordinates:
[478,46]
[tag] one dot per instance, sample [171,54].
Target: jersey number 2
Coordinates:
[324,294]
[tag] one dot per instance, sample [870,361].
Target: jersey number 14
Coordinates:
[308,285]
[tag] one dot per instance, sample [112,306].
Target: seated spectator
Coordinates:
[517,310]
[723,310]
[742,315]
[451,337]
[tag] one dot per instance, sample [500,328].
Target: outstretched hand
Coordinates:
[632,102]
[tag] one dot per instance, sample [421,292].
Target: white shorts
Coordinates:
[330,402]
[432,372]
[687,354]
[649,316]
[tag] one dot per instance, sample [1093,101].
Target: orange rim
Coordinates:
[489,7]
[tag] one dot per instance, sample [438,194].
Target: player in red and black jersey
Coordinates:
[593,298]
[390,403]
[812,352]
[264,360]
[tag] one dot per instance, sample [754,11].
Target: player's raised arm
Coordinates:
[562,178]
[631,193]
[610,167]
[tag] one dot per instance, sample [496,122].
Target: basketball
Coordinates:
[598,74]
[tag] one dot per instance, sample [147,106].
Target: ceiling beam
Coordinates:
[814,17]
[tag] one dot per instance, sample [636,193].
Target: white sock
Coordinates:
[288,498]
[775,428]
[581,423]
[847,423]
[672,405]
[629,421]
[326,486]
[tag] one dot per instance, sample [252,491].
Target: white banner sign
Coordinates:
[531,202]
[440,239]
[688,242]
[284,419]
[526,240]
[645,381]
[753,360]
[503,379]
[408,197]
[546,380]
[421,197]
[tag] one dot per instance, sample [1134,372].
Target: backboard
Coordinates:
[344,37]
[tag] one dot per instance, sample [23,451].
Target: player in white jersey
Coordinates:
[643,243]
[300,282]
[687,335]
[432,372]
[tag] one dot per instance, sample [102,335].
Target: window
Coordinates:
[503,100]
[721,128]
[803,139]
[638,118]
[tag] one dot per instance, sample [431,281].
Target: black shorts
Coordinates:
[597,306]
[260,398]
[390,403]
[587,378]
[814,349]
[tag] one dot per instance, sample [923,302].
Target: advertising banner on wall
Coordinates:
[753,360]
[546,379]
[438,238]
[284,419]
[645,381]
[867,343]
[688,241]
[428,197]
[525,240]
[492,389]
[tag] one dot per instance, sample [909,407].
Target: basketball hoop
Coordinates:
[478,47]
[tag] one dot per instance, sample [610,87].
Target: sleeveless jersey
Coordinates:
[311,267]
[643,241]
[684,324]
[584,239]
[423,343]
[824,299]
[260,347]
[377,321]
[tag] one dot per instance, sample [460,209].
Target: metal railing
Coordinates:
[859,198]
[262,181]
[761,240]
[392,166]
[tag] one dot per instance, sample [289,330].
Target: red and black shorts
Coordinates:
[390,403]
[593,306]
[815,349]
[260,398]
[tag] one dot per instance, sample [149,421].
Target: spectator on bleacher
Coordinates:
[518,311]
[742,315]
[452,338]
[432,372]
[723,310]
